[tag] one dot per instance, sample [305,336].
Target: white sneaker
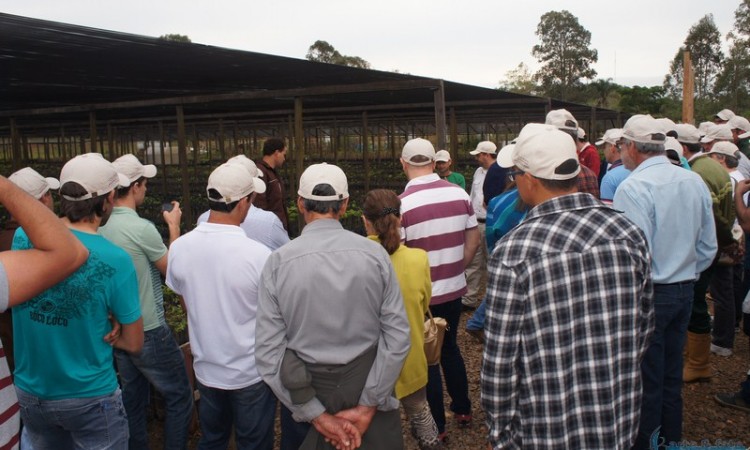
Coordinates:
[721,351]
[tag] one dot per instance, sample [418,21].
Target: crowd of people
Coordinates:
[587,279]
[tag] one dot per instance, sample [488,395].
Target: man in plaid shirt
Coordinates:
[569,312]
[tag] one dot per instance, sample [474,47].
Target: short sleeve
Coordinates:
[151,243]
[4,289]
[125,299]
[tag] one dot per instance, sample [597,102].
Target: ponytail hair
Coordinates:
[382,208]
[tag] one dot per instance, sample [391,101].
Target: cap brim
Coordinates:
[599,142]
[744,135]
[474,152]
[53,183]
[149,171]
[505,157]
[706,140]
[258,185]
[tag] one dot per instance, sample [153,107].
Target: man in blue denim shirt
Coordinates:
[673,208]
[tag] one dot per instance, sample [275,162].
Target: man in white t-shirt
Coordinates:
[216,268]
[476,271]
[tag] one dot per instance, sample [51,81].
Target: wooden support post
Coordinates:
[182,158]
[592,126]
[15,138]
[365,151]
[299,152]
[222,151]
[335,142]
[111,143]
[688,88]
[439,96]
[92,133]
[454,134]
[163,162]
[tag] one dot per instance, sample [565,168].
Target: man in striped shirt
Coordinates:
[437,217]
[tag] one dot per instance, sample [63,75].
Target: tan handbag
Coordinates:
[434,332]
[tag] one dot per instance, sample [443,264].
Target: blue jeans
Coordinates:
[75,423]
[293,433]
[162,364]
[453,366]
[476,321]
[251,410]
[661,369]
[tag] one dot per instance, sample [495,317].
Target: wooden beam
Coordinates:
[92,132]
[439,96]
[182,152]
[299,152]
[15,138]
[688,88]
[365,152]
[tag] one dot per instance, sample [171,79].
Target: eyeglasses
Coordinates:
[513,174]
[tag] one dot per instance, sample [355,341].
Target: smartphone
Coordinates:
[168,207]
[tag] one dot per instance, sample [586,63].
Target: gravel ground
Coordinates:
[705,421]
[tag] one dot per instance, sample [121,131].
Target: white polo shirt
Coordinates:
[216,268]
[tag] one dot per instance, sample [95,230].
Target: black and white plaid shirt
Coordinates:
[569,316]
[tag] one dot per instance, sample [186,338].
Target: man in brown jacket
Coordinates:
[274,155]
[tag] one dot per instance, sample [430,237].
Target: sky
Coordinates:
[474,41]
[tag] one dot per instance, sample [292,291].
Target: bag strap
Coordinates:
[429,313]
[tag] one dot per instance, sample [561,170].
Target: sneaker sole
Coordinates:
[732,405]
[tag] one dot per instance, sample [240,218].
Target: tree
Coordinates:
[322,51]
[733,82]
[564,53]
[175,38]
[704,44]
[519,80]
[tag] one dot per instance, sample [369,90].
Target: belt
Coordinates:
[481,220]
[678,283]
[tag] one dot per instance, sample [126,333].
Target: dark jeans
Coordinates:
[453,368]
[292,433]
[162,364]
[700,321]
[722,292]
[251,410]
[661,368]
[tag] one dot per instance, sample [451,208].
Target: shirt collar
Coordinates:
[565,203]
[322,224]
[652,161]
[424,179]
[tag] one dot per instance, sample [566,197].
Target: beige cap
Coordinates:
[418,147]
[673,149]
[442,156]
[33,183]
[484,147]
[724,148]
[94,173]
[581,134]
[325,173]
[644,129]
[611,136]
[546,152]
[667,124]
[562,119]
[718,133]
[739,123]
[725,114]
[232,181]
[687,133]
[129,166]
[249,165]
[505,156]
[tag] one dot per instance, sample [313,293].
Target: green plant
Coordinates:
[174,313]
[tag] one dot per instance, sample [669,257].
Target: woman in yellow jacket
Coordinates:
[382,218]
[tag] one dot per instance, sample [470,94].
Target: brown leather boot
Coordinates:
[697,366]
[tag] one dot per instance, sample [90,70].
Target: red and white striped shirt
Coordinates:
[435,215]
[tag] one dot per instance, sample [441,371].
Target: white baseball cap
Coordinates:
[505,156]
[739,123]
[724,148]
[484,147]
[725,114]
[546,152]
[581,133]
[611,136]
[718,133]
[562,119]
[33,183]
[687,133]
[325,173]
[443,156]
[667,124]
[94,173]
[129,166]
[249,165]
[673,149]
[644,129]
[418,147]
[232,181]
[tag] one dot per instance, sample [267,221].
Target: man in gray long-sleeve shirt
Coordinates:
[330,301]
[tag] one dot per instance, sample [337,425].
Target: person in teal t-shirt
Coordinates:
[65,378]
